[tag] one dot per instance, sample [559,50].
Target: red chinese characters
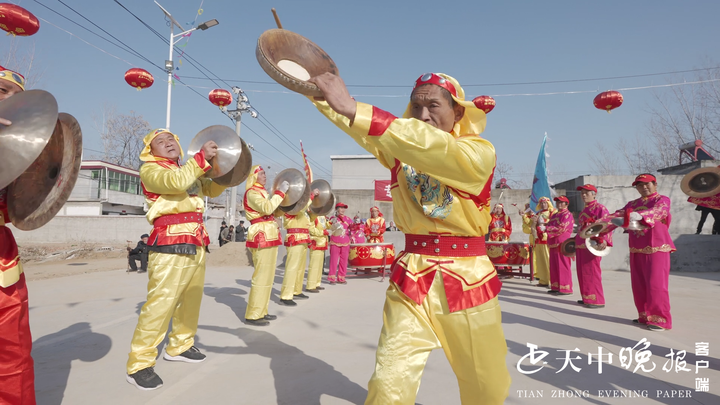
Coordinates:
[485,103]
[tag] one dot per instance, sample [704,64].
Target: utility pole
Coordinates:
[243,106]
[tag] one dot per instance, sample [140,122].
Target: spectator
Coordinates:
[240,232]
[225,235]
[220,237]
[139,253]
[704,211]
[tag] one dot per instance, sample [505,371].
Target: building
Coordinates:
[104,188]
[353,183]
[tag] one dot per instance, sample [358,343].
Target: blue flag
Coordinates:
[541,186]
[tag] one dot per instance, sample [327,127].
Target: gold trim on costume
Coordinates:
[650,249]
[656,319]
[587,297]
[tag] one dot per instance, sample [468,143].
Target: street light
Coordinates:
[169,66]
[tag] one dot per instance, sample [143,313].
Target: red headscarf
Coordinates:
[378,210]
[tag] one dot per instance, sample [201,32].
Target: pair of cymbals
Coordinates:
[233,161]
[702,182]
[324,203]
[298,195]
[43,151]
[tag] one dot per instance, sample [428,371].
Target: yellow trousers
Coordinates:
[542,263]
[314,277]
[175,290]
[295,266]
[264,261]
[472,339]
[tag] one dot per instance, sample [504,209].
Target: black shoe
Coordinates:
[312,290]
[325,273]
[636,321]
[300,296]
[656,328]
[257,322]
[191,355]
[581,302]
[319,288]
[270,317]
[142,271]
[289,303]
[145,379]
[594,306]
[553,292]
[562,293]
[131,270]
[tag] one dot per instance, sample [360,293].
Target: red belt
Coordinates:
[298,230]
[266,218]
[182,218]
[449,246]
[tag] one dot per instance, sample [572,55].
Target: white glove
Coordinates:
[634,216]
[284,187]
[542,228]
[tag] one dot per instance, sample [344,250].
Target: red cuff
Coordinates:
[326,233]
[381,120]
[312,196]
[280,193]
[200,160]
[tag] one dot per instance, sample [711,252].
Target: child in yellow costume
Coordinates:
[537,224]
[443,288]
[296,243]
[318,247]
[176,259]
[263,240]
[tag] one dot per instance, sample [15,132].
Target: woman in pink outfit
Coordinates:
[339,244]
[357,230]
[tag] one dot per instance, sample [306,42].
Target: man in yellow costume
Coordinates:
[176,259]
[318,247]
[541,254]
[263,240]
[296,243]
[443,289]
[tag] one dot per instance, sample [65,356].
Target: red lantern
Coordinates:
[18,21]
[220,97]
[139,78]
[485,103]
[608,100]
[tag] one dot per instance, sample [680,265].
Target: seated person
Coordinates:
[139,253]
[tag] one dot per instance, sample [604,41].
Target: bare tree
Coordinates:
[604,161]
[19,55]
[122,136]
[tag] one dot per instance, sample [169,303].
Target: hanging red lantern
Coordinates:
[608,100]
[18,21]
[139,78]
[220,97]
[485,103]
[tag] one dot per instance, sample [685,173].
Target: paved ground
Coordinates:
[322,351]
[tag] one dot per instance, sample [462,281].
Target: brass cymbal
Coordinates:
[298,191]
[34,115]
[240,172]
[325,193]
[37,195]
[327,209]
[591,246]
[567,248]
[593,229]
[230,150]
[702,182]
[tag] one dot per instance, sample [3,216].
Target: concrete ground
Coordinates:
[322,351]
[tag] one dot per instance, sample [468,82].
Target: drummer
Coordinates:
[443,292]
[176,258]
[375,226]
[650,253]
[500,224]
[559,228]
[263,241]
[339,244]
[589,274]
[17,378]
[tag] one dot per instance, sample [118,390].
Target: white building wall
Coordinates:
[357,172]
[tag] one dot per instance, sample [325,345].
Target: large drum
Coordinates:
[371,256]
[508,253]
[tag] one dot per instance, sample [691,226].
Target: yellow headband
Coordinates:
[12,77]
[146,155]
[473,121]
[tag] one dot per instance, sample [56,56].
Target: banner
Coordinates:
[382,190]
[541,185]
[308,170]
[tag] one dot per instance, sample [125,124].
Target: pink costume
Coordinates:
[559,229]
[589,273]
[339,248]
[357,231]
[650,259]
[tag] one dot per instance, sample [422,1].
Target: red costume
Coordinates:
[500,225]
[375,227]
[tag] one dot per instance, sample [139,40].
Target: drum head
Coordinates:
[291,59]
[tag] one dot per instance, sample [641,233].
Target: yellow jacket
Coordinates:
[318,232]
[263,231]
[172,189]
[297,227]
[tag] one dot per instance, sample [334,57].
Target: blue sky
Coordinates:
[384,43]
